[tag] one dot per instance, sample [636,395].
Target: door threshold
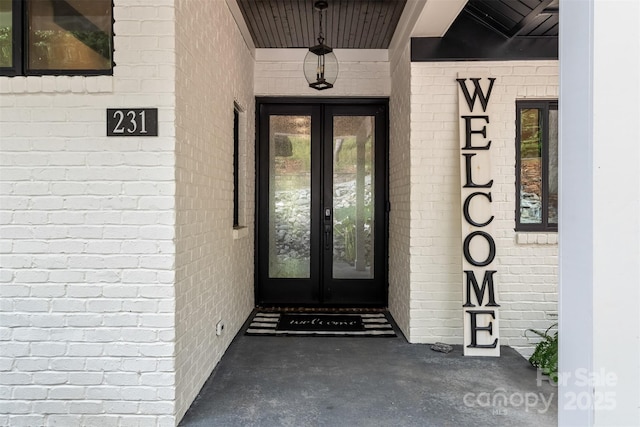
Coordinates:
[278,309]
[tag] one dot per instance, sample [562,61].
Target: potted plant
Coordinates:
[545,355]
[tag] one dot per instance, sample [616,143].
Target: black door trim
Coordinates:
[260,193]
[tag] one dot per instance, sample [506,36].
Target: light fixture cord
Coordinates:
[320,35]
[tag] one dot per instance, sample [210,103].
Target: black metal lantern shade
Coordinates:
[321,64]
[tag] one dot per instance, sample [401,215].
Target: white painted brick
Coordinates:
[102,335]
[67,393]
[156,407]
[139,365]
[68,305]
[82,320]
[15,406]
[104,392]
[120,319]
[105,364]
[82,349]
[7,291]
[157,320]
[29,393]
[157,379]
[139,393]
[139,421]
[25,420]
[121,350]
[6,363]
[140,306]
[121,407]
[156,350]
[47,291]
[101,420]
[68,364]
[31,305]
[122,378]
[11,378]
[48,349]
[83,291]
[104,305]
[31,334]
[86,407]
[117,290]
[86,378]
[51,378]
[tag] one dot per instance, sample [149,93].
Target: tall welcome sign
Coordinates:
[480,309]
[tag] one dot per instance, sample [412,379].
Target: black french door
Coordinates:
[321,220]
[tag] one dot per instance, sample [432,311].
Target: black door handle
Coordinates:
[327,237]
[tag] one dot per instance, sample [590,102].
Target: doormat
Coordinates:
[320,324]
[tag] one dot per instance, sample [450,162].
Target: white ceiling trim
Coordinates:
[242,25]
[436,17]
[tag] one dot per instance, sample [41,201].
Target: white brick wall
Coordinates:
[214,270]
[87,229]
[399,189]
[526,263]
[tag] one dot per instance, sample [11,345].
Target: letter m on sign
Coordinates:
[487,285]
[478,93]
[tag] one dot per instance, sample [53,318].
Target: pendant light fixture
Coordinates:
[321,64]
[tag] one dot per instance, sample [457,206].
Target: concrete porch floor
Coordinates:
[304,381]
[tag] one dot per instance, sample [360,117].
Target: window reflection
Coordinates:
[6,33]
[537,165]
[69,34]
[530,166]
[289,196]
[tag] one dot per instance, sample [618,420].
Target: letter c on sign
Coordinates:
[467,252]
[465,209]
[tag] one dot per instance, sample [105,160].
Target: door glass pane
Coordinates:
[289,196]
[531,166]
[553,167]
[69,34]
[353,196]
[6,33]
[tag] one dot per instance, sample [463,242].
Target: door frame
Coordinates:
[260,188]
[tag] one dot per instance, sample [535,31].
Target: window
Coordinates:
[236,168]
[537,166]
[56,37]
[240,229]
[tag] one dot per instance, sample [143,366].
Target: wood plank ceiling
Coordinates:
[523,18]
[370,24]
[347,24]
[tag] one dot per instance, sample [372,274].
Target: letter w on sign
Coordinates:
[478,93]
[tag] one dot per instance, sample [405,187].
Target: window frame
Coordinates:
[545,106]
[236,167]
[17,18]
[20,42]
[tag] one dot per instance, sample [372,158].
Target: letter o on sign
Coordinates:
[467,252]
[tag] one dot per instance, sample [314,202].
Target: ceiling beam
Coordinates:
[529,18]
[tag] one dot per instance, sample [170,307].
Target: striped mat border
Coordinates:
[375,325]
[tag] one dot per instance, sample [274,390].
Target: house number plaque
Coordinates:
[132,122]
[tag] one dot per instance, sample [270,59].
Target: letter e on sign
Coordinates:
[132,122]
